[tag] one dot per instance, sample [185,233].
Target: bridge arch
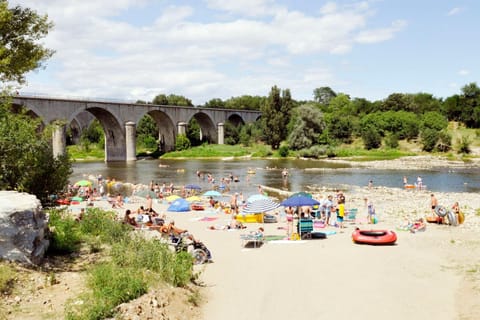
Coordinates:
[208,130]
[166,130]
[114,131]
[235,119]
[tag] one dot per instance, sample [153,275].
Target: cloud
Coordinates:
[381,34]
[250,8]
[463,72]
[454,11]
[101,53]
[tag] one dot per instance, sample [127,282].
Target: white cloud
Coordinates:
[464,72]
[454,11]
[382,34]
[100,55]
[251,8]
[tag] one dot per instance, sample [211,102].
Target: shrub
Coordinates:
[464,145]
[7,276]
[102,224]
[444,142]
[371,138]
[182,143]
[283,151]
[429,139]
[391,140]
[65,236]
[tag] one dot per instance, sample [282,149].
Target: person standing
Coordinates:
[433,203]
[419,183]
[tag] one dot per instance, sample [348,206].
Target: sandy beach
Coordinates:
[433,274]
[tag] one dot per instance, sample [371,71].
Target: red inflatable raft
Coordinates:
[197,207]
[378,237]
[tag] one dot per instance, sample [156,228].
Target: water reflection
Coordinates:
[302,173]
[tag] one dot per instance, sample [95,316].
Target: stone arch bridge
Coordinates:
[119,121]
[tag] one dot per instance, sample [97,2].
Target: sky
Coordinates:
[204,49]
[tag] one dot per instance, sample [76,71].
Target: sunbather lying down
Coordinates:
[232,225]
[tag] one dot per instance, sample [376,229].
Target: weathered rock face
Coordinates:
[23,226]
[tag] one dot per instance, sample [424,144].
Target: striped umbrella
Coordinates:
[260,206]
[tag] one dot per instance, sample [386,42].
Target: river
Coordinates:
[302,174]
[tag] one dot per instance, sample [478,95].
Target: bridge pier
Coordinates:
[59,140]
[182,128]
[221,133]
[130,141]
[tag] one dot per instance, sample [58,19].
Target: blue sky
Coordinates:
[205,49]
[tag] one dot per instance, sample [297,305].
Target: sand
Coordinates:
[427,275]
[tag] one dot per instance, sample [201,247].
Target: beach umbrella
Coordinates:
[173,197]
[144,192]
[194,199]
[298,201]
[193,187]
[260,206]
[256,197]
[302,193]
[212,193]
[83,183]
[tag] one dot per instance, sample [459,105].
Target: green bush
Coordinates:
[464,145]
[391,141]
[102,224]
[138,252]
[283,151]
[182,143]
[429,139]
[65,236]
[371,138]
[7,276]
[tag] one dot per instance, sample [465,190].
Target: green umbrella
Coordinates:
[83,183]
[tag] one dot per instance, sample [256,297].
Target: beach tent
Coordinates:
[179,205]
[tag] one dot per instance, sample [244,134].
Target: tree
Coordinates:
[215,103]
[26,157]
[307,127]
[245,102]
[20,52]
[470,104]
[323,95]
[193,132]
[147,132]
[276,116]
[172,100]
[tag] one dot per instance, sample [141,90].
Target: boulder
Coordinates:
[23,226]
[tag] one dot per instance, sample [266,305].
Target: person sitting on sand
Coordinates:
[233,225]
[129,218]
[418,225]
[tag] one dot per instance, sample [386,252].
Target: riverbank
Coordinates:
[420,162]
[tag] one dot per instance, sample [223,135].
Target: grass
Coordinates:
[131,264]
[220,151]
[360,154]
[7,277]
[94,153]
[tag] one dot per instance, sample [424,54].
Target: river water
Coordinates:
[302,174]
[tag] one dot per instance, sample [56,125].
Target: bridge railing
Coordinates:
[68,97]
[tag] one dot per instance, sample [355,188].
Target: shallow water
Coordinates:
[302,173]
